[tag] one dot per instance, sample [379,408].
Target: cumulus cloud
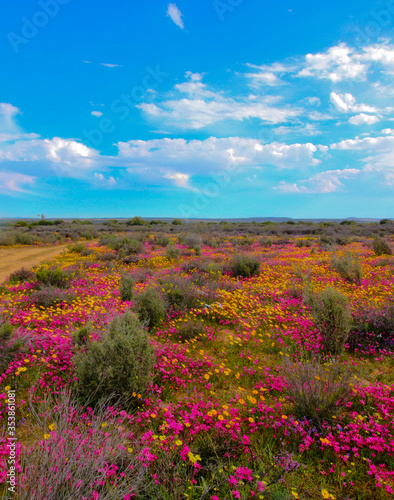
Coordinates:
[323,182]
[175,14]
[346,103]
[104,181]
[377,153]
[13,182]
[97,113]
[203,107]
[362,118]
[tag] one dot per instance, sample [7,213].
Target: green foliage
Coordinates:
[136,221]
[380,246]
[49,296]
[333,319]
[319,391]
[123,244]
[150,307]
[126,288]
[21,276]
[81,336]
[172,252]
[189,330]
[118,365]
[244,266]
[77,248]
[53,277]
[9,345]
[181,294]
[385,221]
[177,222]
[348,266]
[266,242]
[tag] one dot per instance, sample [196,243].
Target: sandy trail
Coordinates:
[12,259]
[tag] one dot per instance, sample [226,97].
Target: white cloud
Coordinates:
[362,118]
[267,78]
[199,156]
[13,182]
[336,64]
[103,181]
[347,103]
[204,107]
[110,65]
[181,180]
[175,14]
[323,182]
[378,153]
[97,113]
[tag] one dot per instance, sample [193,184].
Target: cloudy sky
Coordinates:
[215,108]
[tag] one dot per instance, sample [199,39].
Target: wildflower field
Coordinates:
[172,367]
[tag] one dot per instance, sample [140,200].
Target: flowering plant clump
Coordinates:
[201,367]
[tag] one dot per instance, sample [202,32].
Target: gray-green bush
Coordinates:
[150,307]
[118,365]
[244,266]
[348,266]
[333,319]
[126,288]
[319,391]
[380,246]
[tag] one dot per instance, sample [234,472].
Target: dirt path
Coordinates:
[12,259]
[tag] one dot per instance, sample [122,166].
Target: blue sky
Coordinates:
[215,108]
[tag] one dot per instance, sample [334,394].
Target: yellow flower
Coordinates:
[325,494]
[47,436]
[130,450]
[153,415]
[178,442]
[51,427]
[104,424]
[295,494]
[7,388]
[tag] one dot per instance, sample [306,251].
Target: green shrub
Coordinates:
[53,276]
[162,241]
[348,266]
[150,307]
[136,221]
[380,246]
[77,248]
[319,391]
[189,330]
[332,318]
[81,336]
[172,252]
[24,238]
[126,288]
[21,276]
[244,266]
[49,296]
[266,242]
[181,294]
[118,365]
[9,346]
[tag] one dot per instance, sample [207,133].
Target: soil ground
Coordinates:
[12,259]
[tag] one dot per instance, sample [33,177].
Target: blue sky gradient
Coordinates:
[219,108]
